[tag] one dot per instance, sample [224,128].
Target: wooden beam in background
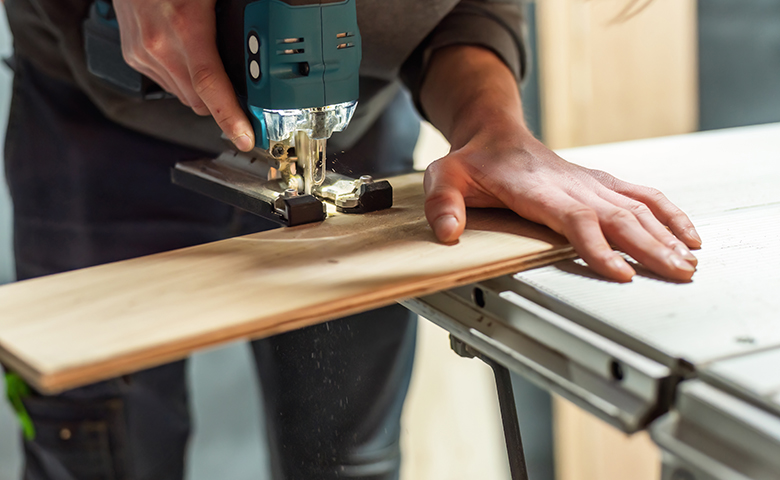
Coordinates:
[605,81]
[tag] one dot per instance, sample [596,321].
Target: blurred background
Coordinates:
[603,71]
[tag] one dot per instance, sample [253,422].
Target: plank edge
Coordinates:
[57,382]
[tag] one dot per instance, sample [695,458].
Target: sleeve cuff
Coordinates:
[496,26]
[482,28]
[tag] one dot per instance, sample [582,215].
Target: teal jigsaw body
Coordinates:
[297,56]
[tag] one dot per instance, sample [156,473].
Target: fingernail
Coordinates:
[621,266]
[243,142]
[686,254]
[694,236]
[445,226]
[681,264]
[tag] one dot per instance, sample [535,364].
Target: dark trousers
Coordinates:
[87,191]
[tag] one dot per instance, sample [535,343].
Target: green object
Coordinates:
[16,389]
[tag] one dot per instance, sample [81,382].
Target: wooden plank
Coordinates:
[603,79]
[78,327]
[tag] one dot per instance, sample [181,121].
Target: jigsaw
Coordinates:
[294,65]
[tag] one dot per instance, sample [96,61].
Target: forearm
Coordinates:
[469,90]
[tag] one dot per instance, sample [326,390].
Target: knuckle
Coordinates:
[227,122]
[671,241]
[153,44]
[435,166]
[179,15]
[600,174]
[439,173]
[655,195]
[661,252]
[445,165]
[619,216]
[438,196]
[537,193]
[203,80]
[580,215]
[638,209]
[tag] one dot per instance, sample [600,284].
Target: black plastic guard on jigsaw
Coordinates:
[373,197]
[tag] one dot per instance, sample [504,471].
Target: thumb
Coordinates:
[445,208]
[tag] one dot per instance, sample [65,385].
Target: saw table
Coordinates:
[698,364]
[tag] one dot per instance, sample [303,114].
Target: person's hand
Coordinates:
[590,208]
[472,97]
[173,42]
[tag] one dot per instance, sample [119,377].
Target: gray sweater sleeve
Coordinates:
[498,25]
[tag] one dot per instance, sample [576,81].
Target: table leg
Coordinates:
[506,402]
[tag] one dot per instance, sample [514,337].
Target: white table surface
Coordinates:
[728,181]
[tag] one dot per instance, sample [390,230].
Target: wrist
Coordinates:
[469,92]
[486,125]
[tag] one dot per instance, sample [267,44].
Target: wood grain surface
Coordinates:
[607,78]
[79,327]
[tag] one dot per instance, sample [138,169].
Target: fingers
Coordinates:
[206,79]
[174,44]
[213,87]
[580,224]
[664,210]
[669,214]
[650,223]
[181,79]
[445,207]
[549,204]
[625,230]
[148,66]
[591,223]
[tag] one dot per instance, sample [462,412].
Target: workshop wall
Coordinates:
[739,64]
[608,76]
